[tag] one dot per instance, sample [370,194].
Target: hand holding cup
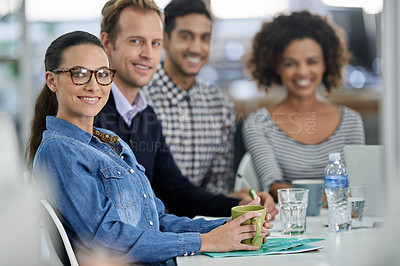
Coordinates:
[238,233]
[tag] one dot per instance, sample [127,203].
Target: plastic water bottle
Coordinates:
[337,193]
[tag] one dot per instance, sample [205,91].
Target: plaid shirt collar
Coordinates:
[162,79]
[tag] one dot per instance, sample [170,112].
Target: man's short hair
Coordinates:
[113,8]
[180,8]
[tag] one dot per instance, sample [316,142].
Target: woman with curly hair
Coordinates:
[292,140]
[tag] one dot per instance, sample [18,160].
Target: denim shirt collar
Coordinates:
[68,129]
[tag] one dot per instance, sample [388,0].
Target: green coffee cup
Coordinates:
[259,221]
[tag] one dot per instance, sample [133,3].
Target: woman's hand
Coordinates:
[324,201]
[266,200]
[228,237]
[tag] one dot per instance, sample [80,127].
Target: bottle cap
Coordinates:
[334,157]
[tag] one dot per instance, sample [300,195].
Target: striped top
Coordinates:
[199,126]
[278,157]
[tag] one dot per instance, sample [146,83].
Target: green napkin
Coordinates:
[273,246]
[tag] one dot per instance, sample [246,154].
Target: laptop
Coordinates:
[364,165]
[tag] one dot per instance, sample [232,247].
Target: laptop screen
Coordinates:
[364,165]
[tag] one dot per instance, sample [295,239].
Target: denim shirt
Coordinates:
[106,199]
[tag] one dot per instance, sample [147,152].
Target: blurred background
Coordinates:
[28,26]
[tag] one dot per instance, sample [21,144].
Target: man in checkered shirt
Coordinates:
[199,125]
[198,120]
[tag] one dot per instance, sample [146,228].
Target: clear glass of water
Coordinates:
[356,204]
[293,204]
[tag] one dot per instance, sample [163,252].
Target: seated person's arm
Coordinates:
[180,196]
[273,189]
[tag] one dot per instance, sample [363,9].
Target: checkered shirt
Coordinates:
[199,126]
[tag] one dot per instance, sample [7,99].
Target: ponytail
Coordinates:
[46,104]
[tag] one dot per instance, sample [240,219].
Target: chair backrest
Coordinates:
[240,149]
[246,175]
[61,252]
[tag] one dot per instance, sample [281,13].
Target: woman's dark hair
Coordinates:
[46,102]
[180,8]
[273,38]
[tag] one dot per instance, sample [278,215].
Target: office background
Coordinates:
[28,26]
[26,34]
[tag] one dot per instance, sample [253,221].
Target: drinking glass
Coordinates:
[293,204]
[357,204]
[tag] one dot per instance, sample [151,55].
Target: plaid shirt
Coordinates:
[199,126]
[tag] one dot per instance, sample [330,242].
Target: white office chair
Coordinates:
[246,175]
[61,252]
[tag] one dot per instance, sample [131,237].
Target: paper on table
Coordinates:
[273,246]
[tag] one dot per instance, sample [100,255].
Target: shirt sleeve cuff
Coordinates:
[189,244]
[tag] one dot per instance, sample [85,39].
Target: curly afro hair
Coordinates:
[270,42]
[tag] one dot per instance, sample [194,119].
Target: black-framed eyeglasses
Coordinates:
[81,75]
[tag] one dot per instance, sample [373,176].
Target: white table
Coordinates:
[366,246]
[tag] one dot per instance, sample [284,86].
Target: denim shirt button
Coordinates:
[185,254]
[150,223]
[118,172]
[131,170]
[144,195]
[122,157]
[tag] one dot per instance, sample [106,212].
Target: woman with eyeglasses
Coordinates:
[93,178]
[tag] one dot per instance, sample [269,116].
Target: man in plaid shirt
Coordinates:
[198,120]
